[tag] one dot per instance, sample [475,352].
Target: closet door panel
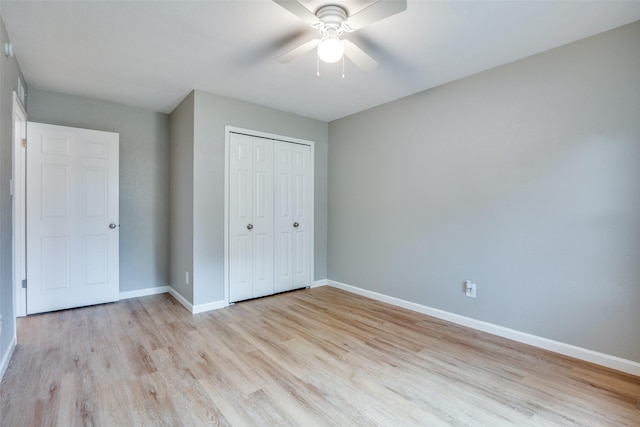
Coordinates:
[283,251]
[241,211]
[262,217]
[293,216]
[302,215]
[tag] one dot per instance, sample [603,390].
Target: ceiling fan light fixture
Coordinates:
[330,49]
[332,21]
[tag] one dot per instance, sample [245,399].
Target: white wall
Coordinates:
[523,178]
[144,178]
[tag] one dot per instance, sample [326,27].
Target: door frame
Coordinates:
[18,188]
[228,130]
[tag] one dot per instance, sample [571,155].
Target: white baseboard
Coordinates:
[197,308]
[6,358]
[214,305]
[182,300]
[602,359]
[193,309]
[318,283]
[144,292]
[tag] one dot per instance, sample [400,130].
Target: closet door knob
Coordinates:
[249,226]
[296,225]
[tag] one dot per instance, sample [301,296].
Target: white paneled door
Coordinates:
[293,205]
[72,217]
[270,216]
[251,222]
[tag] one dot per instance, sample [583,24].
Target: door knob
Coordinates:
[112,226]
[296,225]
[249,226]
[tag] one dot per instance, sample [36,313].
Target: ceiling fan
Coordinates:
[332,21]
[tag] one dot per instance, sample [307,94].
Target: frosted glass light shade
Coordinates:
[330,49]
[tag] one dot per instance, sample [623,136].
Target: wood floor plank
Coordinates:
[192,404]
[316,357]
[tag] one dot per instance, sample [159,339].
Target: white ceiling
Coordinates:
[151,54]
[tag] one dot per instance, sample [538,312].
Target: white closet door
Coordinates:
[293,205]
[250,217]
[72,217]
[262,217]
[283,204]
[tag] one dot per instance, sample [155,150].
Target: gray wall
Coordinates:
[211,114]
[524,179]
[181,217]
[144,178]
[9,73]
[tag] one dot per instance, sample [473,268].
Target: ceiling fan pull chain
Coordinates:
[343,66]
[317,66]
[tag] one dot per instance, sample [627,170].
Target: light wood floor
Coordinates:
[308,358]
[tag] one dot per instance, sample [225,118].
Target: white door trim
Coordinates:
[19,205]
[228,130]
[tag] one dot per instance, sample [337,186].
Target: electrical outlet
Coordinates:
[470,289]
[186,277]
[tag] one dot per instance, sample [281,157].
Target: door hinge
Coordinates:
[24,142]
[24,284]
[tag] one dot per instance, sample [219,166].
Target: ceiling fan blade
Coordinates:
[299,10]
[375,12]
[298,51]
[358,56]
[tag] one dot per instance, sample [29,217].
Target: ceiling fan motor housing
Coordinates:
[332,19]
